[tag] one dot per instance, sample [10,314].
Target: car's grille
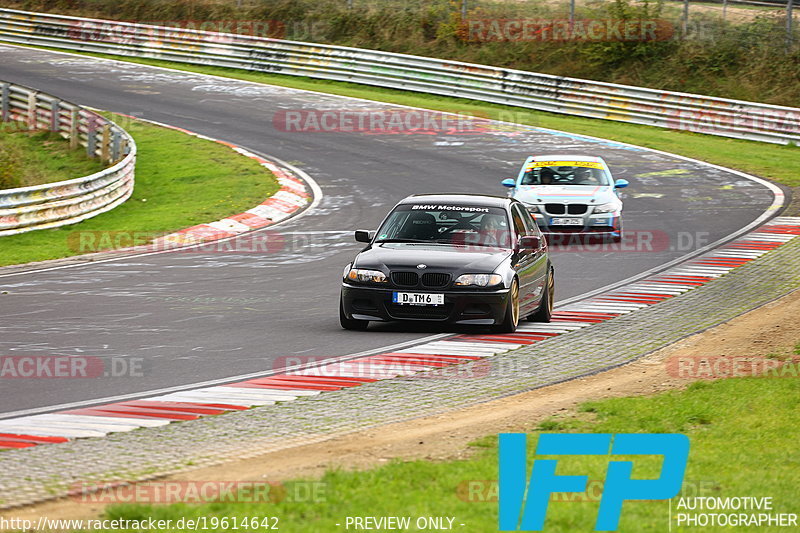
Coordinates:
[432,279]
[419,311]
[561,209]
[405,279]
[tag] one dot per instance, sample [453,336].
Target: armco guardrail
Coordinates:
[718,116]
[65,202]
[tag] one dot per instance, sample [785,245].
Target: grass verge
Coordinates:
[775,162]
[35,157]
[726,421]
[180,181]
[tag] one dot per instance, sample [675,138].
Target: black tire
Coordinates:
[545,311]
[350,323]
[511,317]
[617,238]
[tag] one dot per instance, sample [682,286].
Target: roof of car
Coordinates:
[483,200]
[566,157]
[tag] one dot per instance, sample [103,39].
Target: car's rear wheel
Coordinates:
[545,311]
[350,323]
[511,317]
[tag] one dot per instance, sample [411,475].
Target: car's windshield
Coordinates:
[564,173]
[447,224]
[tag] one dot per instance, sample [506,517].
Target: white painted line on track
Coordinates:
[63,421]
[208,398]
[50,431]
[118,419]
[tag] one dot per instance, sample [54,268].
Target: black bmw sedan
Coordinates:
[453,258]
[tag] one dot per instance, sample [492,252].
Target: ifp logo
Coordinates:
[523,505]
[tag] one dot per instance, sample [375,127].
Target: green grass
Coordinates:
[36,157]
[180,181]
[775,162]
[743,435]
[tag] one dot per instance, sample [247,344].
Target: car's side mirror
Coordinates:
[363,235]
[509,182]
[620,184]
[529,242]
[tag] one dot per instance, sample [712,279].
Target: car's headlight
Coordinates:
[532,208]
[478,280]
[610,207]
[366,276]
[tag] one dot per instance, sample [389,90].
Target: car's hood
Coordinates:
[437,258]
[565,194]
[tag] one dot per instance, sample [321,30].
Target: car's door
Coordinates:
[535,261]
[524,259]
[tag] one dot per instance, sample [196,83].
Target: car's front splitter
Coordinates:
[460,307]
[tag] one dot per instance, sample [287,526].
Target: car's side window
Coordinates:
[519,223]
[533,229]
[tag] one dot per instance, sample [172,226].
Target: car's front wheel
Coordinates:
[545,311]
[618,237]
[350,323]
[511,317]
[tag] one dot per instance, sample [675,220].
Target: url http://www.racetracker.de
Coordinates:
[197,523]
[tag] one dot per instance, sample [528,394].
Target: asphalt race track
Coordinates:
[188,317]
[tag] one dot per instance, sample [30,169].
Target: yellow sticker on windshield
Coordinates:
[586,164]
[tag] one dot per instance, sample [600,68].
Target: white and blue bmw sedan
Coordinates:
[569,195]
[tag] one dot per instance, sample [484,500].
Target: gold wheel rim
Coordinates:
[515,303]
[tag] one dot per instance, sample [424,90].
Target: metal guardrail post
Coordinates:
[115,143]
[105,143]
[73,129]
[91,140]
[4,102]
[685,19]
[55,115]
[32,110]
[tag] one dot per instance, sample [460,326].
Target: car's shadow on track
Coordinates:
[429,328]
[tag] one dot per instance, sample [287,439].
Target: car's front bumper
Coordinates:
[592,225]
[478,307]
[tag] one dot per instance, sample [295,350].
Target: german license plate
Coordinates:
[566,222]
[417,298]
